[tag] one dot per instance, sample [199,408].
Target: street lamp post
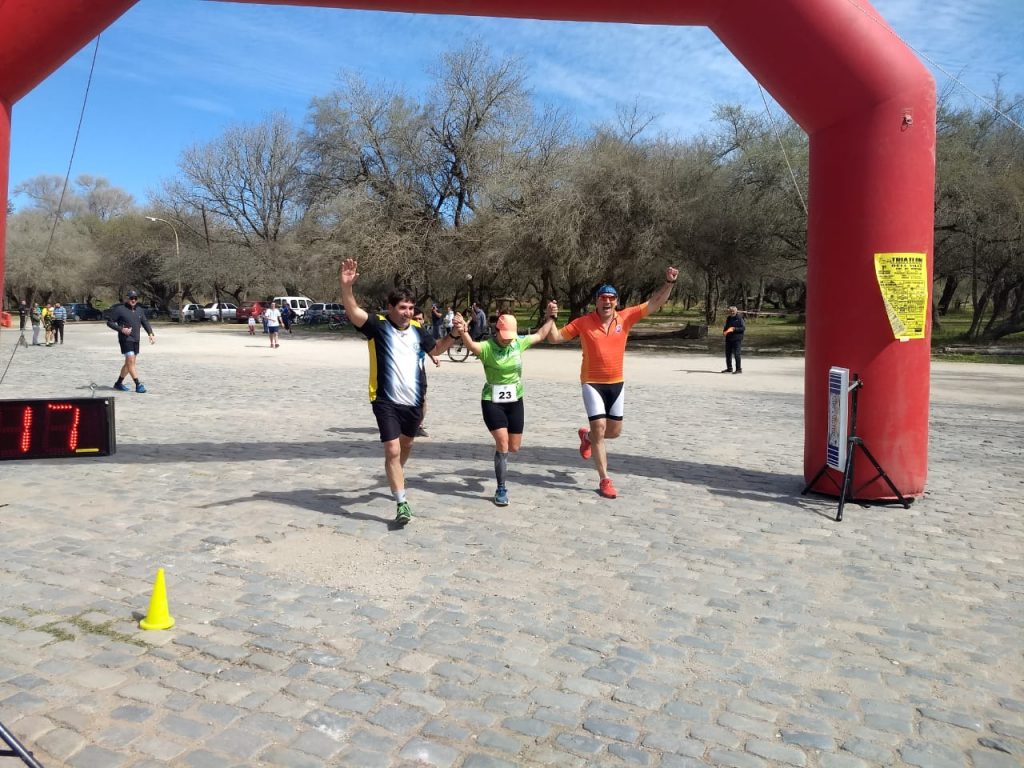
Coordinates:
[469,289]
[177,255]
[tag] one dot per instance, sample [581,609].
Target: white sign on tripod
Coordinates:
[838,419]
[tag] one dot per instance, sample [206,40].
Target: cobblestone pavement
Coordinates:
[708,616]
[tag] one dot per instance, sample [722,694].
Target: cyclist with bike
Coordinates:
[502,398]
[397,346]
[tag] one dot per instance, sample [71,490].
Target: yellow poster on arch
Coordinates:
[903,281]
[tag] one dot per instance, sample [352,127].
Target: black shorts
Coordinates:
[394,419]
[128,347]
[510,416]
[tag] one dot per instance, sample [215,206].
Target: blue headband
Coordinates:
[606,290]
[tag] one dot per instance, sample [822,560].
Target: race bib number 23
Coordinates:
[503,393]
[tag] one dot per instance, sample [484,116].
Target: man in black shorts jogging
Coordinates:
[128,319]
[397,346]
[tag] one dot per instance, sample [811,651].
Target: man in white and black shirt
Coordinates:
[397,345]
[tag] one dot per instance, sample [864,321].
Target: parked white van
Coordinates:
[298,304]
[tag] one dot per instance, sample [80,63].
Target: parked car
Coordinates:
[83,312]
[191,312]
[218,311]
[247,308]
[321,312]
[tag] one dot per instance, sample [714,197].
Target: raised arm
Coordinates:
[347,278]
[544,331]
[459,328]
[660,296]
[554,335]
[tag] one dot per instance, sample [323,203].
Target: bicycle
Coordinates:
[458,352]
[336,322]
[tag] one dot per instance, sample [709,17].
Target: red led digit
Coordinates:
[19,430]
[26,429]
[68,428]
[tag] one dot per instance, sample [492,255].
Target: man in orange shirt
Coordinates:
[603,335]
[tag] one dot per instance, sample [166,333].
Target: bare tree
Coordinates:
[980,214]
[45,193]
[101,199]
[249,177]
[37,265]
[479,110]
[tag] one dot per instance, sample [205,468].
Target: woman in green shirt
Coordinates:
[502,398]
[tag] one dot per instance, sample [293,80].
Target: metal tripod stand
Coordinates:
[16,749]
[853,442]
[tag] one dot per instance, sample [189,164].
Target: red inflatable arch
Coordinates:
[864,99]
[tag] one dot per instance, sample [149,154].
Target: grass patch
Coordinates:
[764,335]
[57,630]
[955,357]
[52,628]
[105,630]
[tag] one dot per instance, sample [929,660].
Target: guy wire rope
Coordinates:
[939,67]
[67,176]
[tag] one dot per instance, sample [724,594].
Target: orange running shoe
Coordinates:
[584,442]
[606,489]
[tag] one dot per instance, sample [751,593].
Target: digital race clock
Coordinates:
[56,429]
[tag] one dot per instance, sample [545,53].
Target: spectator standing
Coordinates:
[436,320]
[48,324]
[23,314]
[477,322]
[449,321]
[286,317]
[733,332]
[36,318]
[128,320]
[418,318]
[252,324]
[60,317]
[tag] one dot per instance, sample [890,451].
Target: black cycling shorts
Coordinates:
[510,416]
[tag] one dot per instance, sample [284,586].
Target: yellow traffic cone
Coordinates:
[158,616]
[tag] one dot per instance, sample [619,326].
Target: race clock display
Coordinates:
[57,429]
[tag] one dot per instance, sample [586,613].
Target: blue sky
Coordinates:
[172,73]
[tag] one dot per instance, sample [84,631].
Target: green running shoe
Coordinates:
[404,514]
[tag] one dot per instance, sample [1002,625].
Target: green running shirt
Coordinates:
[503,365]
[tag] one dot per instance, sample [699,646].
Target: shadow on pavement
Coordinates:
[736,482]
